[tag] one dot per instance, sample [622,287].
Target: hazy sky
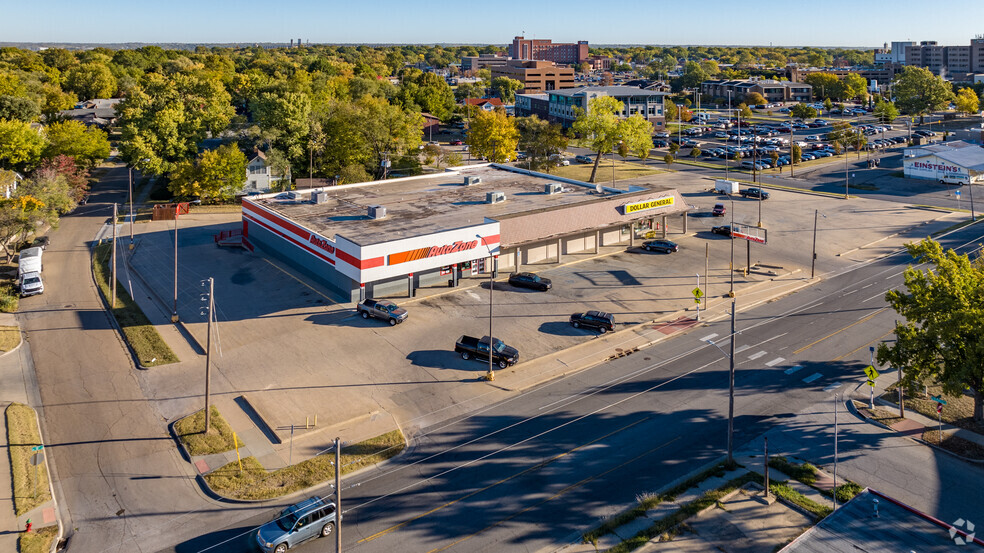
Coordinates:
[821,23]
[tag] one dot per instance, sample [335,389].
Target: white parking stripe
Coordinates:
[756,355]
[775,361]
[812,377]
[791,370]
[709,337]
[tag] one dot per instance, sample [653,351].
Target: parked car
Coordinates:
[31,284]
[723,229]
[41,242]
[719,210]
[559,159]
[660,144]
[382,309]
[583,159]
[664,246]
[754,193]
[456,143]
[502,355]
[532,281]
[297,524]
[598,320]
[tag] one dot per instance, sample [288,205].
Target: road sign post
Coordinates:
[940,402]
[872,374]
[36,460]
[698,293]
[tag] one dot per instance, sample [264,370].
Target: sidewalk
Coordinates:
[17,386]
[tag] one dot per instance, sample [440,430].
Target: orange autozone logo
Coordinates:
[433,251]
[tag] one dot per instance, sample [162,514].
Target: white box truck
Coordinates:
[722,186]
[30,261]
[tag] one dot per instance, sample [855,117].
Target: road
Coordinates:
[534,471]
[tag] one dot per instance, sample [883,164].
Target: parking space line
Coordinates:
[812,377]
[793,369]
[756,355]
[775,361]
[709,337]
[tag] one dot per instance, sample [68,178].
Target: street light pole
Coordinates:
[131,207]
[731,236]
[731,386]
[174,311]
[813,264]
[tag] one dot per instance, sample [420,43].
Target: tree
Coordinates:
[18,216]
[19,108]
[469,90]
[695,153]
[668,160]
[673,148]
[693,75]
[846,135]
[941,338]
[754,99]
[164,118]
[743,110]
[505,88]
[825,85]
[287,115]
[493,135]
[886,112]
[426,92]
[803,111]
[670,111]
[216,175]
[855,86]
[76,177]
[601,129]
[797,153]
[918,92]
[967,101]
[385,131]
[88,145]
[774,156]
[540,139]
[828,105]
[20,146]
[90,80]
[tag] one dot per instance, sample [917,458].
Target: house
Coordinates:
[260,176]
[100,112]
[484,104]
[432,124]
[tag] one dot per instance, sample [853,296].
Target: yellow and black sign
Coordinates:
[648,204]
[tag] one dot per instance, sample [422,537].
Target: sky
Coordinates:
[863,23]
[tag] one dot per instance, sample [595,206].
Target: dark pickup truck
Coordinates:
[502,355]
[382,309]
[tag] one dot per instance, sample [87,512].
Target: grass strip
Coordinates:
[10,337]
[879,414]
[805,473]
[783,491]
[189,431]
[255,482]
[38,541]
[150,347]
[956,444]
[22,435]
[9,298]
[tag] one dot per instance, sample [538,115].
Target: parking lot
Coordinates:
[297,353]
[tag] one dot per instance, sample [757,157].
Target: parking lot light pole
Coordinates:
[174,311]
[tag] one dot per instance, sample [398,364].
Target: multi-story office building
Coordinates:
[561,104]
[772,91]
[474,63]
[545,49]
[950,62]
[536,76]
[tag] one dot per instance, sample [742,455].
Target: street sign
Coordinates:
[37,447]
[870,372]
[697,293]
[939,407]
[871,383]
[37,458]
[938,399]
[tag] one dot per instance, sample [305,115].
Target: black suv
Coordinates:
[599,320]
[723,229]
[754,193]
[664,246]
[530,280]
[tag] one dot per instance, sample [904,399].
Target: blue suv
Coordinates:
[296,524]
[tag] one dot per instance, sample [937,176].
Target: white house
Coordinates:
[260,176]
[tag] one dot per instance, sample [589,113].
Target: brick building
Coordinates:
[536,76]
[545,49]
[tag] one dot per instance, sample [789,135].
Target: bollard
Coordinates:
[307,422]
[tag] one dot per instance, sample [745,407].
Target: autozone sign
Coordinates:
[322,243]
[739,232]
[433,251]
[648,204]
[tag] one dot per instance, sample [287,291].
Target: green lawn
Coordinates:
[623,170]
[189,431]
[30,485]
[10,337]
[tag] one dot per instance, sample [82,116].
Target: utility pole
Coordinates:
[131,208]
[731,388]
[174,310]
[835,452]
[791,164]
[338,495]
[731,236]
[706,261]
[766,467]
[208,353]
[813,264]
[112,283]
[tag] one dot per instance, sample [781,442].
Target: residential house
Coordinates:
[260,176]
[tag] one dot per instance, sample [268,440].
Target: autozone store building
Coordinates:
[390,238]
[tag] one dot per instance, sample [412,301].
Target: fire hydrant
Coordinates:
[29,526]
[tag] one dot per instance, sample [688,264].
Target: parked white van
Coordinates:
[955,179]
[30,261]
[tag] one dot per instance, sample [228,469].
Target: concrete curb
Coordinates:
[270,429]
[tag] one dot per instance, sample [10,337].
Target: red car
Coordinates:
[456,143]
[719,210]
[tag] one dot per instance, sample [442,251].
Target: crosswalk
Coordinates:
[779,361]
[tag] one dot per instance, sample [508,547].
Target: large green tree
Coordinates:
[493,135]
[803,111]
[505,88]
[19,107]
[917,91]
[90,80]
[825,85]
[216,175]
[855,86]
[885,111]
[601,129]
[20,146]
[164,118]
[967,101]
[386,131]
[288,116]
[540,139]
[693,75]
[88,145]
[942,338]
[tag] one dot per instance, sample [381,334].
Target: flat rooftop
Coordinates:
[425,205]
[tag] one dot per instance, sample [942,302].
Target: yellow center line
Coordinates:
[552,497]
[868,318]
[878,339]
[508,478]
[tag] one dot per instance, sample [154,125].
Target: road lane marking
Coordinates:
[849,293]
[793,369]
[539,465]
[866,318]
[554,496]
[742,348]
[867,285]
[832,387]
[709,337]
[812,377]
[756,355]
[878,295]
[775,361]
[876,340]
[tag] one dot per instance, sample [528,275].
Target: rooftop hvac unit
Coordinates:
[471,181]
[552,188]
[319,196]
[495,197]
[377,212]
